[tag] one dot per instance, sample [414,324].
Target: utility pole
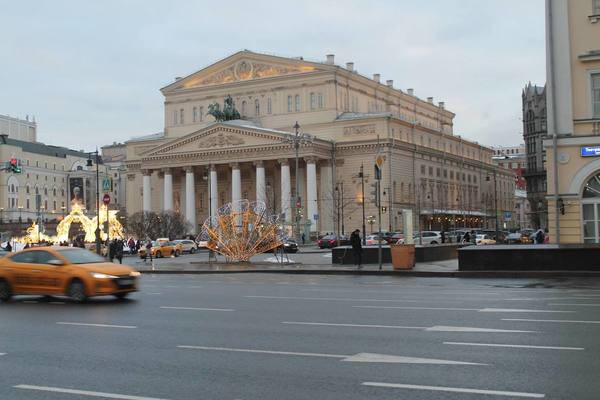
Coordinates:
[362,185]
[496,203]
[378,164]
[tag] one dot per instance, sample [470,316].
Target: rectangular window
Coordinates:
[595,7]
[269,106]
[175,117]
[423,169]
[290,105]
[596,95]
[194,114]
[181,116]
[430,171]
[298,104]
[201,114]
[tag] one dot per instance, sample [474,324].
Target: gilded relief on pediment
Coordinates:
[245,70]
[221,140]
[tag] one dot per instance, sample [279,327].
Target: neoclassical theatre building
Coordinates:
[196,164]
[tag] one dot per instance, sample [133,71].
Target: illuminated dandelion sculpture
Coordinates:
[241,230]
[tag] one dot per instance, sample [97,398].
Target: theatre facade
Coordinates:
[197,164]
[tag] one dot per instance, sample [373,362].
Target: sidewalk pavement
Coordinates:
[437,269]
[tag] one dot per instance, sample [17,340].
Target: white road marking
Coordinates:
[326,299]
[360,357]
[419,308]
[518,346]
[353,325]
[85,393]
[328,255]
[153,293]
[551,320]
[516,310]
[97,325]
[2,354]
[437,328]
[197,308]
[538,299]
[490,310]
[456,390]
[573,304]
[443,328]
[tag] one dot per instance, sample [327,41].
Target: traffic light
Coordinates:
[14,166]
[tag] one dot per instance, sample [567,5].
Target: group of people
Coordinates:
[115,250]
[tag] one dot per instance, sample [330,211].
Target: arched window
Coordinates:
[256,108]
[313,101]
[298,104]
[54,192]
[269,106]
[289,104]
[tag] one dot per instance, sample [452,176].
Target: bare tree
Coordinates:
[143,224]
[172,225]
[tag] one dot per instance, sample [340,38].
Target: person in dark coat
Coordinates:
[119,251]
[356,247]
[466,238]
[443,234]
[112,250]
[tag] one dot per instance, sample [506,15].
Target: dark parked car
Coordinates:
[331,241]
[290,246]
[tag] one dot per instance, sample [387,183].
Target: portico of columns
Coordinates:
[268,173]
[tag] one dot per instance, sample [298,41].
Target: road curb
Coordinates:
[420,274]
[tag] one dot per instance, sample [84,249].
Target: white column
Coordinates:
[168,190]
[261,185]
[214,197]
[326,209]
[190,198]
[236,182]
[146,191]
[286,190]
[311,193]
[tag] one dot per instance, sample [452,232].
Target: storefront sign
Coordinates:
[590,151]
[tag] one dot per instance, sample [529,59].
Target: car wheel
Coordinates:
[121,295]
[433,242]
[158,254]
[5,292]
[76,291]
[192,250]
[176,253]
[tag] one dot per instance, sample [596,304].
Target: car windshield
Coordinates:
[81,256]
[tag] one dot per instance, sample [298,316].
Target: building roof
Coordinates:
[152,136]
[42,148]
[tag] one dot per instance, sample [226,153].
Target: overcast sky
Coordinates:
[90,72]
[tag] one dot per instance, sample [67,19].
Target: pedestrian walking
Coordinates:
[356,248]
[443,235]
[466,238]
[539,236]
[119,251]
[112,249]
[149,250]
[303,238]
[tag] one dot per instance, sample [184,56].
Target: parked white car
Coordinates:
[373,240]
[428,237]
[484,239]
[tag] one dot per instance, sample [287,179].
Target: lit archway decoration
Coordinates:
[76,215]
[242,229]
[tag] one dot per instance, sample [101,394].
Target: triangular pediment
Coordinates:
[244,66]
[219,136]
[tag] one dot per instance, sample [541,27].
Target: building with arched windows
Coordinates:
[195,166]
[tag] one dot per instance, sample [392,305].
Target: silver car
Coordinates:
[428,237]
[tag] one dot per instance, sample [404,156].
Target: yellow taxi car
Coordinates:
[162,249]
[69,271]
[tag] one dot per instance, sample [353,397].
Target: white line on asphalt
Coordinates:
[354,325]
[456,390]
[488,310]
[443,328]
[517,310]
[437,328]
[152,293]
[326,299]
[84,393]
[518,346]
[97,325]
[537,299]
[360,357]
[419,308]
[551,320]
[2,354]
[573,304]
[197,308]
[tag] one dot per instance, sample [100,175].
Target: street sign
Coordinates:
[316,217]
[106,199]
[107,184]
[590,151]
[507,216]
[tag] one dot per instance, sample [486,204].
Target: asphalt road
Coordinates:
[264,336]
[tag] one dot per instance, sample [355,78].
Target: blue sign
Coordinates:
[316,217]
[590,151]
[507,215]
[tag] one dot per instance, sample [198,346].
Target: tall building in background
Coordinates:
[573,99]
[19,129]
[534,132]
[514,158]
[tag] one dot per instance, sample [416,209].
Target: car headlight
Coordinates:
[99,275]
[134,273]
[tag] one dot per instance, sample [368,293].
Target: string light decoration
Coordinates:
[242,229]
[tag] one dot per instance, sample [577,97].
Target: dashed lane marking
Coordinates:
[84,393]
[551,320]
[197,308]
[97,325]
[516,346]
[436,328]
[456,390]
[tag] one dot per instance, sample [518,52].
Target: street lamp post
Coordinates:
[296,140]
[206,176]
[1,215]
[487,178]
[362,185]
[89,164]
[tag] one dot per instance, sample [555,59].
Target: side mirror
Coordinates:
[56,263]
